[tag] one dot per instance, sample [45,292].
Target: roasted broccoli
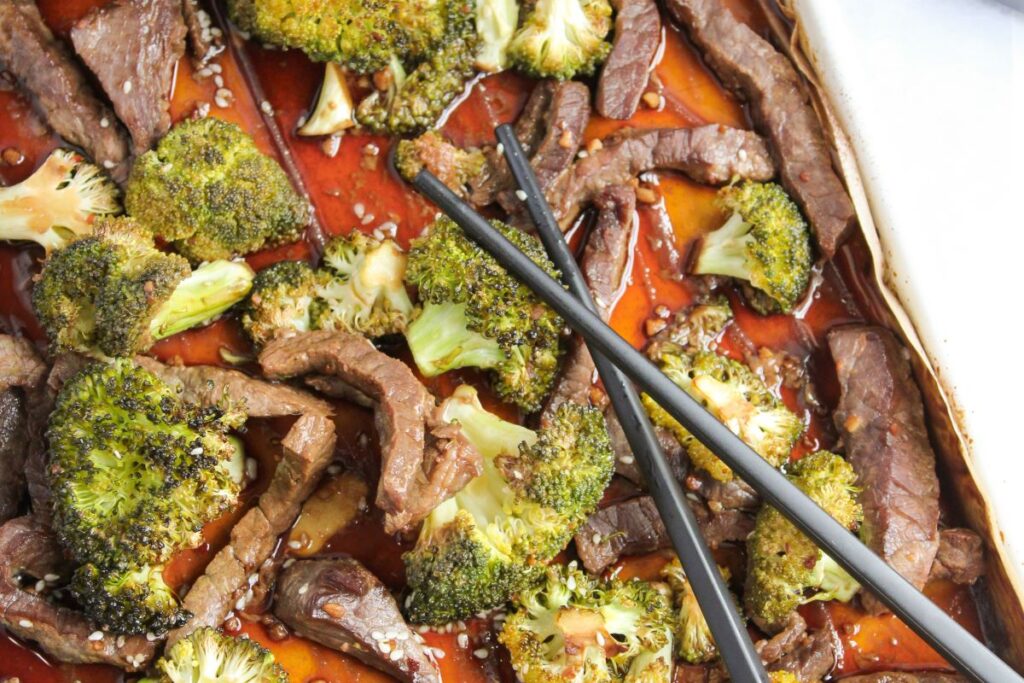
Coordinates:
[573,627]
[358,288]
[491,538]
[453,166]
[765,242]
[334,111]
[363,35]
[361,288]
[414,99]
[784,568]
[694,642]
[210,656]
[209,191]
[737,397]
[496,22]
[115,293]
[58,203]
[477,315]
[694,329]
[562,38]
[132,601]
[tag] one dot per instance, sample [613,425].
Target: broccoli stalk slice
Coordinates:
[725,250]
[211,289]
[833,582]
[334,111]
[440,340]
[58,203]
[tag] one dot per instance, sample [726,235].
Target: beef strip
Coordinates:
[20,372]
[133,47]
[624,74]
[632,527]
[712,154]
[338,603]
[29,548]
[307,449]
[735,494]
[45,69]
[785,641]
[550,130]
[960,557]
[881,419]
[779,103]
[625,462]
[604,266]
[423,461]
[204,39]
[811,658]
[906,677]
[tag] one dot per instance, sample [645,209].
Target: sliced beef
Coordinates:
[20,365]
[624,74]
[811,658]
[28,549]
[633,527]
[779,103]
[960,558]
[625,462]
[45,69]
[21,370]
[881,420]
[133,47]
[906,677]
[712,154]
[205,40]
[423,461]
[722,495]
[604,267]
[550,130]
[338,603]
[784,642]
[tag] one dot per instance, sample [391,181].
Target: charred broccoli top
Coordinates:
[694,642]
[115,293]
[562,38]
[487,541]
[784,568]
[765,242]
[210,656]
[477,315]
[58,203]
[209,191]
[576,628]
[128,600]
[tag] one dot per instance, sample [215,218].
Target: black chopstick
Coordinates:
[938,629]
[717,604]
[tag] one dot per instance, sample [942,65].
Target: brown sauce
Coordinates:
[356,189]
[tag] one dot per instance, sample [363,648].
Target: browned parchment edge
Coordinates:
[945,419]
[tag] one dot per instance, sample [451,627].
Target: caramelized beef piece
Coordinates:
[21,370]
[338,603]
[133,47]
[811,658]
[881,420]
[423,461]
[624,75]
[960,558]
[29,549]
[779,103]
[45,69]
[550,130]
[712,154]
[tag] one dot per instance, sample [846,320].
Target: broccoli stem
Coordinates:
[835,583]
[724,251]
[440,340]
[211,289]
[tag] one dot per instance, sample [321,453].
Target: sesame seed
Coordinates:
[367,219]
[481,653]
[377,635]
[25,623]
[500,148]
[108,164]
[104,122]
[40,586]
[204,73]
[385,647]
[289,562]
[402,636]
[595,539]
[150,636]
[438,653]
[120,641]
[521,195]
[251,468]
[96,635]
[266,108]
[126,87]
[423,629]
[218,80]
[197,451]
[463,640]
[294,545]
[396,655]
[359,209]
[51,578]
[303,589]
[626,460]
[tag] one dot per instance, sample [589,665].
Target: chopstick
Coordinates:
[938,629]
[713,596]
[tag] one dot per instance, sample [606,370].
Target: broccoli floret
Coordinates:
[364,35]
[135,472]
[281,301]
[784,568]
[58,203]
[765,242]
[115,293]
[477,315]
[209,656]
[334,111]
[573,627]
[131,601]
[209,191]
[562,38]
[737,397]
[491,538]
[496,22]
[695,329]
[361,288]
[454,166]
[415,99]
[694,642]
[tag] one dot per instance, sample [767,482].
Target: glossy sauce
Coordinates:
[355,188]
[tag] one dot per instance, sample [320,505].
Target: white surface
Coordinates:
[931,93]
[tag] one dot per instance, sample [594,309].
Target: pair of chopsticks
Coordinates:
[618,362]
